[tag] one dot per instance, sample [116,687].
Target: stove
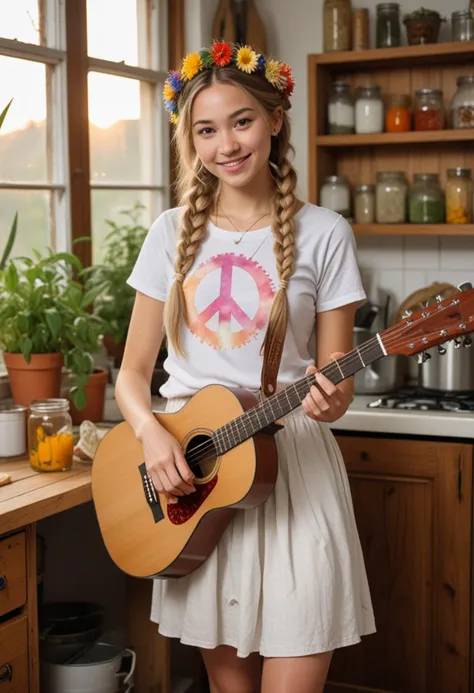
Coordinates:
[425,400]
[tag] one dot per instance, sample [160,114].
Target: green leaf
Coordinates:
[68,258]
[26,346]
[4,112]
[11,278]
[78,397]
[82,239]
[80,326]
[23,322]
[10,241]
[54,321]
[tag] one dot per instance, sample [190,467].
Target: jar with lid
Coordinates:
[429,110]
[426,202]
[387,25]
[340,110]
[364,204]
[391,197]
[369,111]
[12,430]
[459,196]
[335,194]
[462,24]
[50,438]
[360,29]
[397,115]
[462,103]
[337,23]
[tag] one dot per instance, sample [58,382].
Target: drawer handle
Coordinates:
[3,582]
[7,676]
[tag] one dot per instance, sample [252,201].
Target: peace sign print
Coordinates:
[228,299]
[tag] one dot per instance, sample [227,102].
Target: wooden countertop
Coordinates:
[32,495]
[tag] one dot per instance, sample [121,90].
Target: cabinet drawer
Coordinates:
[14,655]
[12,573]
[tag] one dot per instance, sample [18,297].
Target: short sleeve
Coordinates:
[152,271]
[339,281]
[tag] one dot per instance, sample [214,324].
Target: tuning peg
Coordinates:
[467,341]
[465,286]
[457,342]
[439,298]
[441,349]
[407,314]
[422,357]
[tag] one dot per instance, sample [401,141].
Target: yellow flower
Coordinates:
[247,59]
[173,118]
[272,72]
[168,92]
[192,65]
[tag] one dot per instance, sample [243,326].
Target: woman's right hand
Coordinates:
[165,462]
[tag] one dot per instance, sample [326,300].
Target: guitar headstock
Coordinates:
[449,319]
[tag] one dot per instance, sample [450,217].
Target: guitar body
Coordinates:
[147,537]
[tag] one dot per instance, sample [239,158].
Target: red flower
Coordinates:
[221,53]
[290,85]
[285,70]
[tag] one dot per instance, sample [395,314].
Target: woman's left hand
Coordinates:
[331,405]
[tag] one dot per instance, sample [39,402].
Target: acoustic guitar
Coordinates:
[228,438]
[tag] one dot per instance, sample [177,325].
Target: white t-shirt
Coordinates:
[229,291]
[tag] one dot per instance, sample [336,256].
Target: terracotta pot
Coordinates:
[95,391]
[39,379]
[113,349]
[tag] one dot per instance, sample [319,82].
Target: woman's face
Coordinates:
[230,135]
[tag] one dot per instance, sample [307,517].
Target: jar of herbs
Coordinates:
[397,115]
[391,197]
[337,22]
[50,438]
[387,25]
[459,196]
[341,117]
[336,195]
[369,110]
[428,109]
[462,104]
[364,204]
[426,201]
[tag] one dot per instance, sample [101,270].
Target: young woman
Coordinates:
[242,259]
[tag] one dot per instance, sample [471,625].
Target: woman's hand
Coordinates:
[165,462]
[331,405]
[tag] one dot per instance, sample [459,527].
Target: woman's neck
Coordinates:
[247,201]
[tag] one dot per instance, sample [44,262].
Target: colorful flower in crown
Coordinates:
[221,53]
[175,81]
[246,59]
[192,65]
[272,72]
[287,81]
[169,93]
[261,62]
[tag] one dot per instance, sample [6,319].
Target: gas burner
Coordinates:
[424,400]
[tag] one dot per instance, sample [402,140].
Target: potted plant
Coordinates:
[45,323]
[422,26]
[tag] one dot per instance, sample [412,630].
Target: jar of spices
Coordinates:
[369,112]
[364,204]
[428,109]
[459,196]
[397,115]
[387,30]
[50,439]
[391,197]
[462,23]
[337,23]
[426,205]
[341,109]
[336,195]
[360,29]
[462,104]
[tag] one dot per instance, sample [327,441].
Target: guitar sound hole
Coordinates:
[200,456]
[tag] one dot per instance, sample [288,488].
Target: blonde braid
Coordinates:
[199,201]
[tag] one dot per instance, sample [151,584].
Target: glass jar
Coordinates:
[337,22]
[387,31]
[462,104]
[364,204]
[428,110]
[360,29]
[369,110]
[459,196]
[391,197]
[397,115]
[340,109]
[336,195]
[50,439]
[462,23]
[426,205]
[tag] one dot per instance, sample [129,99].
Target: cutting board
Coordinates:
[224,25]
[256,34]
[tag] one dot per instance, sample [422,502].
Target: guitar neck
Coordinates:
[273,408]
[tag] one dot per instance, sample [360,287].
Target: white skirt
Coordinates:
[287,579]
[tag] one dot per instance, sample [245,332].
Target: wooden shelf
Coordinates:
[382,138]
[413,229]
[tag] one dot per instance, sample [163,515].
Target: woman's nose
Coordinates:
[228,144]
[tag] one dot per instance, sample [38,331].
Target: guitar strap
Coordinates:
[271,365]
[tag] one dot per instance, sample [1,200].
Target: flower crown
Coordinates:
[222,54]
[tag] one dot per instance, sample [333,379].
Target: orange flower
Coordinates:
[221,53]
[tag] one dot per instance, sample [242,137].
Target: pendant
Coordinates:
[237,241]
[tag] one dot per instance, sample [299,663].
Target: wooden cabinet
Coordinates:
[14,655]
[413,507]
[12,573]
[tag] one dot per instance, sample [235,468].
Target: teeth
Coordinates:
[234,163]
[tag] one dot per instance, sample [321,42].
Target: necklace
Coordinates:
[237,241]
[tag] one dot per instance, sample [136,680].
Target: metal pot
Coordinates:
[378,377]
[451,372]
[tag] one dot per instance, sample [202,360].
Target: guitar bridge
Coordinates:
[151,497]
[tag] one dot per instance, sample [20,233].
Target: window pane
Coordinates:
[23,134]
[112,30]
[117,143]
[19,19]
[108,204]
[33,207]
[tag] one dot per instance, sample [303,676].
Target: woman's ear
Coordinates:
[277,121]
